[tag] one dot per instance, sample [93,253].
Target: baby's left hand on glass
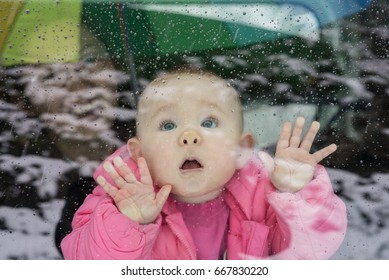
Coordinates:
[293,166]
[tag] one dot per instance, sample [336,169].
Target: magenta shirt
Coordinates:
[207,223]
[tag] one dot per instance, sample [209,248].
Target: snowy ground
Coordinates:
[30,236]
[368,220]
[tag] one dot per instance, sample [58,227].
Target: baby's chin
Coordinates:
[195,192]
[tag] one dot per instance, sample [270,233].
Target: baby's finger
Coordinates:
[325,152]
[124,170]
[162,196]
[296,134]
[107,186]
[119,180]
[307,142]
[144,172]
[283,140]
[267,161]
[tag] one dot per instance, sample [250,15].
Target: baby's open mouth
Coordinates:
[191,164]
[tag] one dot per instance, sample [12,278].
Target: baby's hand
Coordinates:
[293,166]
[135,199]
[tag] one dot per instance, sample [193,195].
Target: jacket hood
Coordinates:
[239,191]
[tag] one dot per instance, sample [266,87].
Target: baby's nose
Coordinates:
[190,137]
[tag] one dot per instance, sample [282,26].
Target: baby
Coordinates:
[190,186]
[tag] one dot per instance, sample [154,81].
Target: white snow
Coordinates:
[368,215]
[32,236]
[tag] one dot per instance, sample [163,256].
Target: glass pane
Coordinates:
[71,72]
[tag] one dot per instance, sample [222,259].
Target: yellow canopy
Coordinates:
[39,31]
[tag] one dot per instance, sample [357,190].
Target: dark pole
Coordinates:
[128,51]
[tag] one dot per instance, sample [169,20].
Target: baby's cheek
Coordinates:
[157,149]
[153,159]
[224,149]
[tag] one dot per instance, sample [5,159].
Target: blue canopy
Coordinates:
[327,11]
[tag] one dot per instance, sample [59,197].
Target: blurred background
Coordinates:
[71,72]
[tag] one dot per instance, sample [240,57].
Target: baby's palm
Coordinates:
[135,199]
[293,165]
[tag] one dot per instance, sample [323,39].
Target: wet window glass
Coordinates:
[72,73]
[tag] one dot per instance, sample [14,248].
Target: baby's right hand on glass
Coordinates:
[135,199]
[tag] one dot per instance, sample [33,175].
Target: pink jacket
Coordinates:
[263,223]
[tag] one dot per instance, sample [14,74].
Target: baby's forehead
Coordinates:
[175,88]
[186,95]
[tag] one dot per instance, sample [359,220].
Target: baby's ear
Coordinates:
[245,150]
[133,146]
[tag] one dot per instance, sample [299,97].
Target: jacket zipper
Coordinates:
[183,241]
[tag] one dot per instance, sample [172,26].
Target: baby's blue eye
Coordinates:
[209,123]
[167,125]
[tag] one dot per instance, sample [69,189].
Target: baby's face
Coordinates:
[189,131]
